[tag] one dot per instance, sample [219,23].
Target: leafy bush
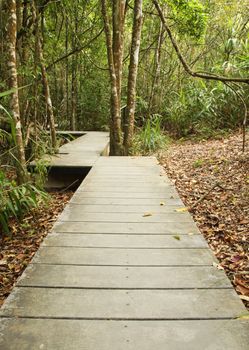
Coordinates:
[203,108]
[150,138]
[15,200]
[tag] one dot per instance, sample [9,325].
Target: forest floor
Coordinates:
[212,178]
[17,251]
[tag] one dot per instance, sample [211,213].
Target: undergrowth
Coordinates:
[150,138]
[16,200]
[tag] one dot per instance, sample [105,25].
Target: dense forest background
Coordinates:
[67,38]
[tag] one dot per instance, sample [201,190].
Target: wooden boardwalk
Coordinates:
[84,151]
[123,269]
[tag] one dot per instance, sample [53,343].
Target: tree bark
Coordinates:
[153,102]
[74,85]
[116,148]
[118,41]
[13,84]
[132,79]
[47,94]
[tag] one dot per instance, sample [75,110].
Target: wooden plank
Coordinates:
[135,189]
[153,209]
[154,228]
[75,214]
[66,276]
[26,334]
[123,304]
[126,257]
[124,194]
[124,241]
[79,199]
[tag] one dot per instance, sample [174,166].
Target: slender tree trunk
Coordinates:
[45,79]
[132,79]
[13,82]
[67,71]
[118,41]
[74,94]
[153,102]
[116,148]
[74,89]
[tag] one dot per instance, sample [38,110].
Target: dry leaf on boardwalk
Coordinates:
[182,210]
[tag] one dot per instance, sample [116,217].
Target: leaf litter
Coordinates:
[212,178]
[17,251]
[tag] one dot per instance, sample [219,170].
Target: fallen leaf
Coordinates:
[244,297]
[147,214]
[182,210]
[162,203]
[218,266]
[177,237]
[242,290]
[243,317]
[191,234]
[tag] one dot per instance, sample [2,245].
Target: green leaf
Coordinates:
[177,237]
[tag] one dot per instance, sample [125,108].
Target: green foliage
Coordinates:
[16,200]
[40,173]
[198,163]
[151,137]
[202,109]
[10,121]
[190,16]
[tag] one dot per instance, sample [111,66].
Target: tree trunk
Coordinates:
[74,85]
[118,41]
[13,84]
[132,79]
[45,81]
[67,71]
[116,148]
[74,94]
[153,102]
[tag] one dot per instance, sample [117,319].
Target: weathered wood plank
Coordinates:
[26,334]
[75,214]
[123,194]
[136,188]
[125,241]
[152,209]
[66,276]
[126,227]
[123,304]
[80,199]
[112,256]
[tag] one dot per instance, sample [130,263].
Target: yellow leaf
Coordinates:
[243,317]
[147,214]
[182,210]
[191,234]
[162,203]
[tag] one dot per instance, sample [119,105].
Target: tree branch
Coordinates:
[77,49]
[207,76]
